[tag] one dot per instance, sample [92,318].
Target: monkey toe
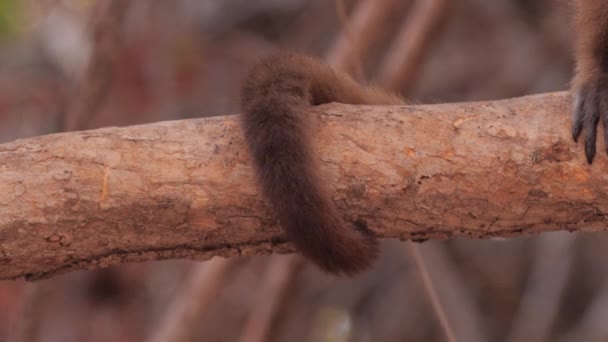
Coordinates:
[590,104]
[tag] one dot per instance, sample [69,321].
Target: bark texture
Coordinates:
[185,189]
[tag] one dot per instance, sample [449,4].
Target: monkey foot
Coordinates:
[590,104]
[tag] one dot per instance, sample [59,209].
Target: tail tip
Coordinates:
[351,257]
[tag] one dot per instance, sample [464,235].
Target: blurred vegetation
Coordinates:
[11,17]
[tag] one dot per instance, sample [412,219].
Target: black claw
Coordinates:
[591,138]
[590,103]
[606,134]
[603,107]
[576,130]
[590,148]
[577,123]
[590,155]
[578,116]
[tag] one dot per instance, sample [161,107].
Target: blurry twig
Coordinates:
[539,305]
[431,292]
[354,64]
[592,326]
[450,292]
[401,61]
[276,281]
[185,312]
[365,26]
[31,312]
[108,17]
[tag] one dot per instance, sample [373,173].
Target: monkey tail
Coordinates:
[275,97]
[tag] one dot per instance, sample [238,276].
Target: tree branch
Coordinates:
[185,189]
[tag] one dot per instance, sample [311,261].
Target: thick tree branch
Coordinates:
[184,189]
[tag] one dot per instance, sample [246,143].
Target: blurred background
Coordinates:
[81,64]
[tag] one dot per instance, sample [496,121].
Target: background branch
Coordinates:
[108,21]
[367,25]
[404,57]
[189,307]
[184,189]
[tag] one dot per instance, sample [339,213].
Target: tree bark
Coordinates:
[185,189]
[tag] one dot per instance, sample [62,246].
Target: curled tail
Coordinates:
[275,98]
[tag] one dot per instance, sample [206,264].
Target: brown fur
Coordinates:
[590,84]
[278,91]
[275,97]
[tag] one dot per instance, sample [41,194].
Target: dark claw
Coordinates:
[578,116]
[604,114]
[577,127]
[587,116]
[590,148]
[593,117]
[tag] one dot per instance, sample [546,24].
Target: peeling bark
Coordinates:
[185,189]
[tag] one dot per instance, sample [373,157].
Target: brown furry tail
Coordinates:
[275,97]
